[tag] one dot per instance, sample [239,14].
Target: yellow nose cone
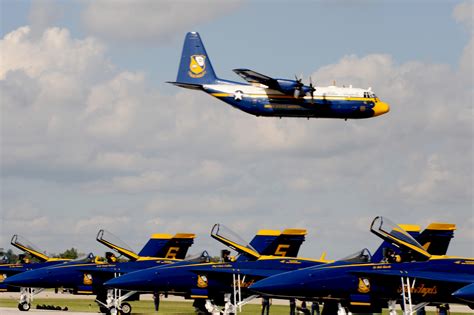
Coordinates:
[380,108]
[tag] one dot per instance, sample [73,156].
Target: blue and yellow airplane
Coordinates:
[361,283]
[24,264]
[270,97]
[210,283]
[213,282]
[87,275]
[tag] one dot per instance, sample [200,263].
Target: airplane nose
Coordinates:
[380,108]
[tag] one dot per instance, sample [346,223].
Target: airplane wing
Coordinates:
[255,77]
[425,275]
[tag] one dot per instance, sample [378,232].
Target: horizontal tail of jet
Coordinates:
[195,68]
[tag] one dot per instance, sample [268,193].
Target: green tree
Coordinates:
[71,253]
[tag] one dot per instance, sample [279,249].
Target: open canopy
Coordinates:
[391,232]
[232,240]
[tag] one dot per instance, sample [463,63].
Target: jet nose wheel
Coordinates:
[125,308]
[24,307]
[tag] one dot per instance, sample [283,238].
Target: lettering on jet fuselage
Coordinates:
[420,289]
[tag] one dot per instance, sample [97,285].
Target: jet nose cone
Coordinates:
[381,108]
[20,280]
[466,293]
[266,286]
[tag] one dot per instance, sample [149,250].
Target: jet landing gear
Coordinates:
[26,297]
[114,304]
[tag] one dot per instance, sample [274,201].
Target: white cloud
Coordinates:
[148,19]
[185,161]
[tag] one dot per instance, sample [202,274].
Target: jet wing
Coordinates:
[425,275]
[255,77]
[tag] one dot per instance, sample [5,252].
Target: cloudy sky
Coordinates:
[92,137]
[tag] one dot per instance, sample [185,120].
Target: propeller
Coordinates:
[312,89]
[298,87]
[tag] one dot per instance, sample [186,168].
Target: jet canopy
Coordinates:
[391,232]
[361,256]
[232,240]
[203,257]
[25,245]
[115,243]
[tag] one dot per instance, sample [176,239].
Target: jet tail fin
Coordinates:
[436,237]
[168,246]
[195,67]
[276,243]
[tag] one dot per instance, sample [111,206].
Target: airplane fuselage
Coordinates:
[327,102]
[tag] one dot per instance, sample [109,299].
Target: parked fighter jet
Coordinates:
[11,269]
[226,283]
[266,96]
[87,275]
[214,284]
[361,284]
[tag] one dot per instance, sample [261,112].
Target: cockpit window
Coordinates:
[362,256]
[203,257]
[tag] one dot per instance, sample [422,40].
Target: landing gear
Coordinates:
[114,303]
[126,308]
[24,307]
[26,297]
[200,307]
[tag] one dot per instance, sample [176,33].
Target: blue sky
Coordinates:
[93,138]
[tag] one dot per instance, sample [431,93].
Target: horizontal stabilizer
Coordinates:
[187,85]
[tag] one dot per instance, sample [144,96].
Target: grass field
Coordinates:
[146,307]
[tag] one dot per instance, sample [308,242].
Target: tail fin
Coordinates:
[436,238]
[168,246]
[26,246]
[276,243]
[195,68]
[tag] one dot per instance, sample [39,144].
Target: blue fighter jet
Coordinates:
[359,283]
[87,275]
[41,260]
[266,96]
[215,284]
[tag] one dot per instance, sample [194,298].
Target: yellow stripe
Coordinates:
[282,96]
[185,235]
[360,303]
[199,296]
[84,292]
[269,232]
[121,250]
[161,236]
[441,226]
[294,232]
[31,251]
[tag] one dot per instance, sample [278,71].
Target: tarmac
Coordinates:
[51,294]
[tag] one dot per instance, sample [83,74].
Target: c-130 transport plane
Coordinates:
[266,96]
